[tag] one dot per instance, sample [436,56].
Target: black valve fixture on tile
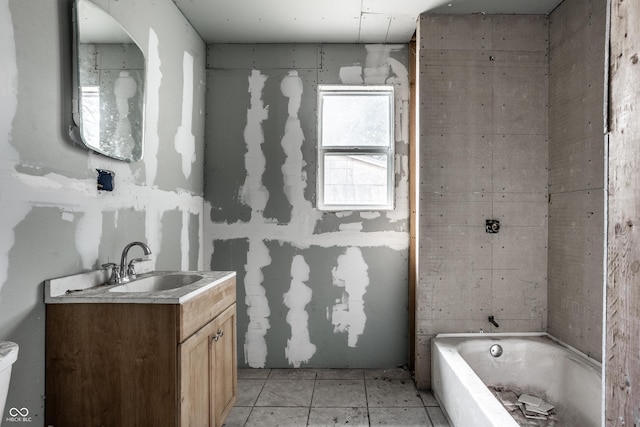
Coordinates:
[493,226]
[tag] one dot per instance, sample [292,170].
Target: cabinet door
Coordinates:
[224,378]
[196,394]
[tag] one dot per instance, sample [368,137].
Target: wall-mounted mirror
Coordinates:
[109,75]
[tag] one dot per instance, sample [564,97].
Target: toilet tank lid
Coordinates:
[8,354]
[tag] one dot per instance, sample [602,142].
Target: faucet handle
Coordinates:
[115,271]
[131,270]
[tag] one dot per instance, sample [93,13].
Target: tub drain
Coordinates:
[496,350]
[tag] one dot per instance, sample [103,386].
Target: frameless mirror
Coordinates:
[109,74]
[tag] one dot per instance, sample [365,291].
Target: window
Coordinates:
[355,149]
[90,115]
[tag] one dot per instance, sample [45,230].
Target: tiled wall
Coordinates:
[576,173]
[483,84]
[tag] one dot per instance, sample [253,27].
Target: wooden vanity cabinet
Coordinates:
[212,349]
[133,364]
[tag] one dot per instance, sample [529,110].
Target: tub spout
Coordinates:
[492,320]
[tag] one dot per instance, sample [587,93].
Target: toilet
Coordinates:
[8,355]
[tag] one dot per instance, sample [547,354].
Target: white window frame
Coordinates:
[325,148]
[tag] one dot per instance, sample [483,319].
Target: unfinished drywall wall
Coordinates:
[314,289]
[622,358]
[576,173]
[54,222]
[483,155]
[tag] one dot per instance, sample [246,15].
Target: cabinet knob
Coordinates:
[217,336]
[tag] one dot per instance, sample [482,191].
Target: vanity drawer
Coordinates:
[198,311]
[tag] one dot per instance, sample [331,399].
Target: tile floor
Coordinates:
[327,397]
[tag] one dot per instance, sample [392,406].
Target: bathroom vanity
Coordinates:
[141,358]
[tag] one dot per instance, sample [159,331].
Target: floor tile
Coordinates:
[404,417]
[292,374]
[428,398]
[437,417]
[254,374]
[248,391]
[340,374]
[392,394]
[355,417]
[286,393]
[339,393]
[237,417]
[278,417]
[387,374]
[331,397]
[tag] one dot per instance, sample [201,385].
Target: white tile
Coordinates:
[387,374]
[399,417]
[437,417]
[286,393]
[339,374]
[339,393]
[248,391]
[254,374]
[292,374]
[392,393]
[355,417]
[237,417]
[278,417]
[428,398]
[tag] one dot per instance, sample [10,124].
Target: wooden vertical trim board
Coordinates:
[622,361]
[413,174]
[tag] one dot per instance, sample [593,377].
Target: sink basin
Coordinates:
[156,283]
[151,287]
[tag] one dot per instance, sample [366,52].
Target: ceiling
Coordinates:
[332,21]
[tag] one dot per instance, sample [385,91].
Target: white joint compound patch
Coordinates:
[184,241]
[348,314]
[8,82]
[299,348]
[254,193]
[295,180]
[351,75]
[152,108]
[185,141]
[255,345]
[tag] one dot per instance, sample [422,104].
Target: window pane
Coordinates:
[91,115]
[355,120]
[355,179]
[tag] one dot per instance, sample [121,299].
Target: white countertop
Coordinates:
[89,287]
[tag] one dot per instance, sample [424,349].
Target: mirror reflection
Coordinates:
[110,84]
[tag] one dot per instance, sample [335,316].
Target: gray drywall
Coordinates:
[314,289]
[576,173]
[54,222]
[483,155]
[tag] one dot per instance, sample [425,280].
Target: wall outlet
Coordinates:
[105,180]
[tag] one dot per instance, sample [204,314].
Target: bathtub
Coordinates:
[534,363]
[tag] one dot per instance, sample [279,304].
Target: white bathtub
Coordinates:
[533,363]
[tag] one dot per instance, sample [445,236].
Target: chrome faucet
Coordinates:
[130,273]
